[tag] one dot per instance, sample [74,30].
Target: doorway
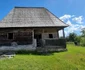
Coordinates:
[38,38]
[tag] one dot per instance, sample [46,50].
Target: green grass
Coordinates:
[73,59]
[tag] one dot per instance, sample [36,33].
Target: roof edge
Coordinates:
[57,18]
[27,7]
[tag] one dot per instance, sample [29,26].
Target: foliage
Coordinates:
[74,38]
[82,41]
[83,37]
[73,59]
[78,39]
[83,32]
[71,37]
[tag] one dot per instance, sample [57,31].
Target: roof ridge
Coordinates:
[27,7]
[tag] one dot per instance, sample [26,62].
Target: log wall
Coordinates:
[20,36]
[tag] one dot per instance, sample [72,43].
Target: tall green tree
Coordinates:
[83,37]
[72,37]
[83,32]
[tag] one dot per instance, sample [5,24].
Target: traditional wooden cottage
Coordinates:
[31,28]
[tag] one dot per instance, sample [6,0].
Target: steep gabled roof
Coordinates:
[31,17]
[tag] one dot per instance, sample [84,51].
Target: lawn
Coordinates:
[73,59]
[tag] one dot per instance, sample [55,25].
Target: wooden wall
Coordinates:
[21,36]
[48,31]
[25,35]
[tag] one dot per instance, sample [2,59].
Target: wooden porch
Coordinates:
[40,38]
[52,45]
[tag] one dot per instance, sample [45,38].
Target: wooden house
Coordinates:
[31,28]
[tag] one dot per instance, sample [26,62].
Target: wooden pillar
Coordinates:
[42,34]
[43,40]
[63,33]
[33,34]
[57,34]
[34,42]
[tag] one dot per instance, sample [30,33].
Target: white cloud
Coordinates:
[78,19]
[63,18]
[73,27]
[66,17]
[69,23]
[82,26]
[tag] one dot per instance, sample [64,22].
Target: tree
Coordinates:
[72,37]
[77,40]
[83,37]
[82,42]
[83,32]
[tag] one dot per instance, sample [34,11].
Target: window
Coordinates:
[10,35]
[50,36]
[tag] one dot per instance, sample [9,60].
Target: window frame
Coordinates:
[8,36]
[50,35]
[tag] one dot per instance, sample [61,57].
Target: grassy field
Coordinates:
[73,59]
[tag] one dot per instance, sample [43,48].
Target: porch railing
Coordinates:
[53,42]
[52,45]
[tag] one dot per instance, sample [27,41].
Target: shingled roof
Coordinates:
[31,17]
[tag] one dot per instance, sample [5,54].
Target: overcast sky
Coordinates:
[72,12]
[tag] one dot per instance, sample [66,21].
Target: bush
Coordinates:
[77,40]
[82,42]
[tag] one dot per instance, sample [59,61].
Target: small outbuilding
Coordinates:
[31,28]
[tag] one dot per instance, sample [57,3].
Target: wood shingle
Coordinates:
[31,17]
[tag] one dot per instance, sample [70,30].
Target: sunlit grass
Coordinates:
[73,59]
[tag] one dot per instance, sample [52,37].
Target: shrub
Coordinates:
[77,40]
[82,42]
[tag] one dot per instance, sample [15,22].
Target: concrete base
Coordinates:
[18,47]
[50,49]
